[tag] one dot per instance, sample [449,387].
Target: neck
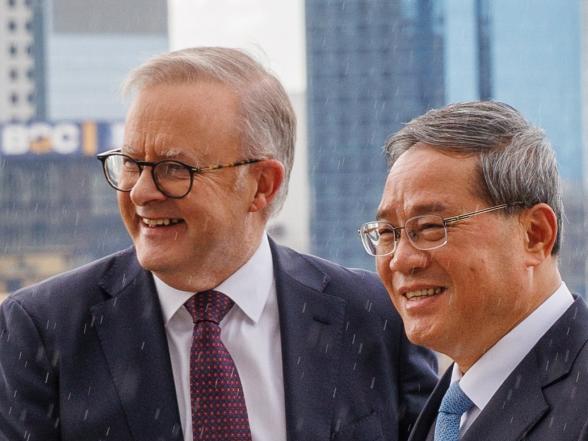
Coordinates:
[541,285]
[213,270]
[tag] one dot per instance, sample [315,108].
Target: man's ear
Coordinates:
[269,175]
[540,230]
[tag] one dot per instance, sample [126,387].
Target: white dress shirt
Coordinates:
[251,333]
[485,376]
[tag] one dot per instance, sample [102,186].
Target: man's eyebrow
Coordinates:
[172,153]
[429,208]
[129,150]
[415,210]
[179,154]
[168,153]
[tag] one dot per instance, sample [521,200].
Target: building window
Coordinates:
[12,49]
[14,98]
[11,25]
[29,25]
[29,49]
[11,3]
[31,98]
[13,74]
[30,74]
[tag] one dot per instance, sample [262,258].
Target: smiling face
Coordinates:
[463,297]
[195,242]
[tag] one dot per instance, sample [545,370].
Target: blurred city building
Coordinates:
[17,60]
[373,65]
[61,66]
[583,92]
[91,47]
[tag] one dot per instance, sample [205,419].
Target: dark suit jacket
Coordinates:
[544,399]
[84,356]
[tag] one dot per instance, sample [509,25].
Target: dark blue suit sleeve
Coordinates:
[417,379]
[28,403]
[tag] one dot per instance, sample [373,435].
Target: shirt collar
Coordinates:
[249,287]
[487,374]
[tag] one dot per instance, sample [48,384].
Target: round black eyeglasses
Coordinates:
[172,178]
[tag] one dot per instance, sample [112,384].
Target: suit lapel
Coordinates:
[515,408]
[130,329]
[520,403]
[311,324]
[428,415]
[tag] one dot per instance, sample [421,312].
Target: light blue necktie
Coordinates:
[454,404]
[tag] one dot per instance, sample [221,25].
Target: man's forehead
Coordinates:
[192,122]
[430,166]
[426,180]
[390,209]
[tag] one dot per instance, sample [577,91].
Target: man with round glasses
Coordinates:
[466,240]
[206,329]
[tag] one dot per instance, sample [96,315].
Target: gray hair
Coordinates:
[268,127]
[516,161]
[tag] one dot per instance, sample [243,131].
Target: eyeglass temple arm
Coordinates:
[451,220]
[220,166]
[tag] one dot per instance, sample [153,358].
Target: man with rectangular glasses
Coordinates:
[466,241]
[206,329]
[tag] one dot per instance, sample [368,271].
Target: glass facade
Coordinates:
[55,214]
[372,65]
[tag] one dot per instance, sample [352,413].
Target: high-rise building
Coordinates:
[91,47]
[17,60]
[372,65]
[56,210]
[584,116]
[65,59]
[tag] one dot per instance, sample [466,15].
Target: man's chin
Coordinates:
[419,334]
[154,262]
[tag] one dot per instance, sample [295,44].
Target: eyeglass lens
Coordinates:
[171,177]
[424,232]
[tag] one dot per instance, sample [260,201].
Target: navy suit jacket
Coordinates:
[84,356]
[544,399]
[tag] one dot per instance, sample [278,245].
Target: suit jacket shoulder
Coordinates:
[343,339]
[83,355]
[62,292]
[351,284]
[541,399]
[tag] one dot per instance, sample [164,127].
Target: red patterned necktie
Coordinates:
[218,405]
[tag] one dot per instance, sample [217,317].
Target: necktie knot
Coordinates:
[454,404]
[455,401]
[209,306]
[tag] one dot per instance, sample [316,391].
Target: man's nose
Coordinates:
[145,190]
[407,259]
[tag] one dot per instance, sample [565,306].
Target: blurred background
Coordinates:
[356,70]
